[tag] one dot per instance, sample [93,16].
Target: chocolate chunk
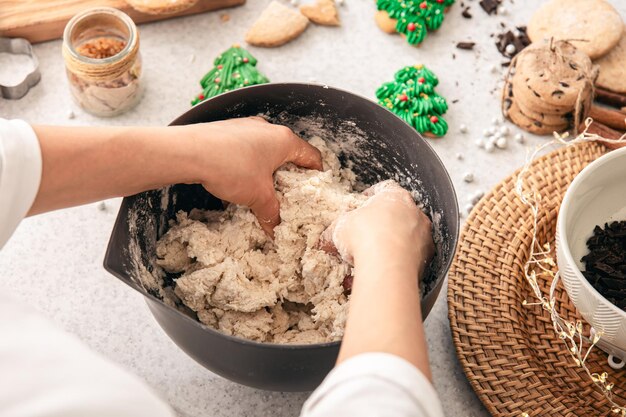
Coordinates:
[490,6]
[520,41]
[466,13]
[465,45]
[605,264]
[562,84]
[558,93]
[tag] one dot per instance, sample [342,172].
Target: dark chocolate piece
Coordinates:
[465,45]
[605,264]
[490,6]
[466,13]
[520,41]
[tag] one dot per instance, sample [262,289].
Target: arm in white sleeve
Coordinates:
[374,385]
[45,372]
[20,174]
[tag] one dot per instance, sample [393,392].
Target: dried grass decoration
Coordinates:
[540,261]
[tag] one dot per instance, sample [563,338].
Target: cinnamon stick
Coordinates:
[605,132]
[612,118]
[610,97]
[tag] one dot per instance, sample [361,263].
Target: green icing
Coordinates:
[412,97]
[234,68]
[415,17]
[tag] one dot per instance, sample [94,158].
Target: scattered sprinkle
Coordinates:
[70,114]
[459,156]
[501,143]
[519,138]
[510,49]
[476,197]
[225,17]
[102,206]
[489,147]
[463,128]
[468,177]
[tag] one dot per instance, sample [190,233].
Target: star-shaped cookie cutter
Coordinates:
[20,46]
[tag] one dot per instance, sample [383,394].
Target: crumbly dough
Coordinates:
[241,283]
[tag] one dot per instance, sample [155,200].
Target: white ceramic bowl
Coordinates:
[596,196]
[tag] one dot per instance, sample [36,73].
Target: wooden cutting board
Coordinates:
[43,20]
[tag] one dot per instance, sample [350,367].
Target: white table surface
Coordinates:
[54,261]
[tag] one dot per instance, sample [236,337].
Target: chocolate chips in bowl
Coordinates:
[605,264]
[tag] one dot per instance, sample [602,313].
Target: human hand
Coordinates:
[236,160]
[388,223]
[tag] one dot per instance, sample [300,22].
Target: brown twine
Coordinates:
[585,94]
[93,70]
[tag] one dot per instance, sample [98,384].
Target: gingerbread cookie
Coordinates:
[593,26]
[384,22]
[411,18]
[412,97]
[277,25]
[323,12]
[161,6]
[613,68]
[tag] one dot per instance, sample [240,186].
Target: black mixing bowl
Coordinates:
[380,146]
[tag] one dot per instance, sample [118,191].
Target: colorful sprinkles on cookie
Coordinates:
[412,97]
[234,68]
[414,18]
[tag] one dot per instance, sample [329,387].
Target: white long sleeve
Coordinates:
[20,174]
[45,372]
[374,385]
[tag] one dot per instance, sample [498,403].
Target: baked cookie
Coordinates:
[514,113]
[545,117]
[549,77]
[323,12]
[277,25]
[413,19]
[613,68]
[384,22]
[593,26]
[161,6]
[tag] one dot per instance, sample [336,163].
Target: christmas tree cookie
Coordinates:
[412,97]
[234,68]
[411,18]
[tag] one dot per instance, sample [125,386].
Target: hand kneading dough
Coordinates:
[241,283]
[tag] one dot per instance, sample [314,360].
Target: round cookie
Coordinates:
[533,126]
[593,26]
[613,68]
[543,116]
[549,76]
[161,6]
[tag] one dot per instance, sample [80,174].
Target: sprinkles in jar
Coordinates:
[102,61]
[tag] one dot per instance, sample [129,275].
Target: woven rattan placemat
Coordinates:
[510,353]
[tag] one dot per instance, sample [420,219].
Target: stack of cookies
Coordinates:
[549,87]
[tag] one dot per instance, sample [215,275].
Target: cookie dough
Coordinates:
[593,26]
[242,283]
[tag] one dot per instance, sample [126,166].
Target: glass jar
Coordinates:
[102,61]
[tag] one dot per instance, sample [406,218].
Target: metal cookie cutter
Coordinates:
[20,46]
